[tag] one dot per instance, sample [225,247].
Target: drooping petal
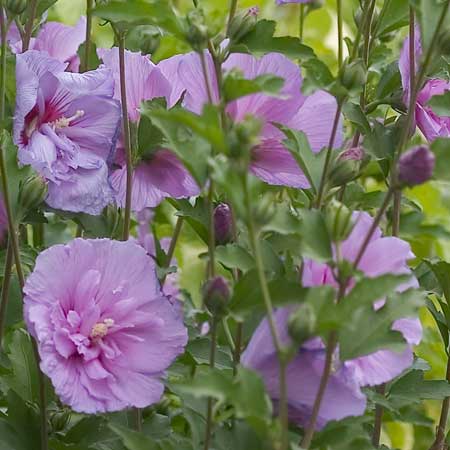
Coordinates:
[273,163]
[144,79]
[60,41]
[315,118]
[161,177]
[85,191]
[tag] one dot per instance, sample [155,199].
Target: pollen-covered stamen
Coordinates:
[63,121]
[100,329]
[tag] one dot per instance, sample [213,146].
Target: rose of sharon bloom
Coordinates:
[343,396]
[314,115]
[58,40]
[431,124]
[105,332]
[66,127]
[162,174]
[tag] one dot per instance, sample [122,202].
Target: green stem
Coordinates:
[5,289]
[440,432]
[340,33]
[254,243]
[38,235]
[326,166]
[232,13]
[379,411]
[237,346]
[29,25]
[211,233]
[126,137]
[87,43]
[301,21]
[4,26]
[173,244]
[212,363]
[42,399]
[396,212]
[310,430]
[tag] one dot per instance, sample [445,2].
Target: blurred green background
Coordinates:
[320,33]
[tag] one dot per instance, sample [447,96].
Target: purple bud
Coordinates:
[416,166]
[253,11]
[223,224]
[352,154]
[216,295]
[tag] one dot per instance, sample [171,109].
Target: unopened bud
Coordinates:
[416,166]
[111,217]
[302,324]
[16,7]
[339,221]
[216,295]
[347,166]
[149,40]
[32,193]
[242,24]
[223,224]
[354,75]
[197,34]
[59,420]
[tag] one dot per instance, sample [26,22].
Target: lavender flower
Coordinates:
[162,175]
[343,396]
[105,332]
[65,126]
[431,125]
[416,166]
[271,161]
[58,40]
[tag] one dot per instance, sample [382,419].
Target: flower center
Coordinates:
[100,329]
[63,121]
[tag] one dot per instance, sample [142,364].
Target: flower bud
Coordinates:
[339,221]
[302,324]
[416,166]
[223,224]
[216,295]
[16,7]
[197,34]
[149,39]
[242,24]
[347,166]
[354,75]
[32,193]
[59,420]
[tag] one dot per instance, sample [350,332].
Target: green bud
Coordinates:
[302,324]
[146,38]
[59,420]
[197,34]
[216,295]
[111,217]
[339,221]
[32,193]
[16,7]
[354,75]
[242,24]
[347,166]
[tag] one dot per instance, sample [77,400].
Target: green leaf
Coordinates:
[23,378]
[355,115]
[150,137]
[234,256]
[440,104]
[429,12]
[261,40]
[236,86]
[374,327]
[140,12]
[393,15]
[132,439]
[413,387]
[309,162]
[315,243]
[441,150]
